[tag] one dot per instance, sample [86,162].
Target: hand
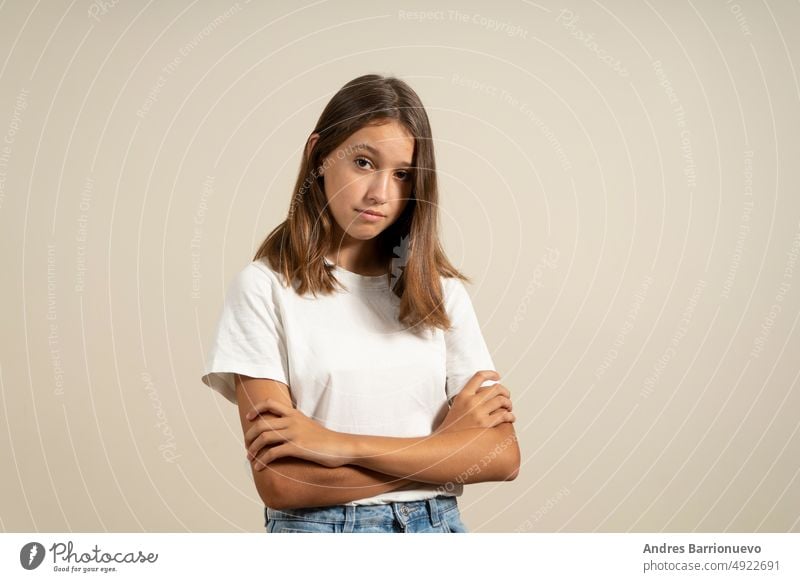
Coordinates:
[476,407]
[290,434]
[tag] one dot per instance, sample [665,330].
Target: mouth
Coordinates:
[371,212]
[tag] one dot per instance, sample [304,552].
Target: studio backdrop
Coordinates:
[619,179]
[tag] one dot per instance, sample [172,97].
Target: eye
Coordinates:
[402,174]
[357,160]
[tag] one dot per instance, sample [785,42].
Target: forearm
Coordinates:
[292,483]
[466,456]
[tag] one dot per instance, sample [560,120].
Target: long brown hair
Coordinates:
[296,248]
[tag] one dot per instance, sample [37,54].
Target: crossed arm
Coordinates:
[307,465]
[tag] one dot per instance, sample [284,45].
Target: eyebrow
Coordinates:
[375,151]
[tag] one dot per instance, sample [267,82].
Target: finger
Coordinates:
[479,378]
[486,393]
[270,455]
[264,424]
[496,403]
[496,390]
[265,439]
[269,405]
[500,416]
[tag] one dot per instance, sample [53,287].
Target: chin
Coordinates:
[362,235]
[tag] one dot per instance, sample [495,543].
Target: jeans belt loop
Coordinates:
[433,508]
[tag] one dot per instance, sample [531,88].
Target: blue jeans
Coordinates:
[437,515]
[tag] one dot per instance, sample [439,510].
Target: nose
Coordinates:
[379,190]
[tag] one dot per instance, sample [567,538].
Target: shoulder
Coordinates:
[259,271]
[454,291]
[456,300]
[256,279]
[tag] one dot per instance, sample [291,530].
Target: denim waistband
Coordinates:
[339,514]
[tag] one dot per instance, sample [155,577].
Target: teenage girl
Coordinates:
[366,393]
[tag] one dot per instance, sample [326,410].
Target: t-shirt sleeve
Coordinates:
[249,338]
[466,349]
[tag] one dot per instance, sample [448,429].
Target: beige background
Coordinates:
[626,202]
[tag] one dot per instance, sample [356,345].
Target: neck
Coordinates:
[358,256]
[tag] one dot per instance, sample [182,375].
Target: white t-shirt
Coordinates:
[349,363]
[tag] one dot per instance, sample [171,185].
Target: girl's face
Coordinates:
[370,171]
